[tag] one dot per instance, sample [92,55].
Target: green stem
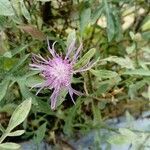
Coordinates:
[3,137]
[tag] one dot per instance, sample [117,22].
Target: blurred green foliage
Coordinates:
[115,32]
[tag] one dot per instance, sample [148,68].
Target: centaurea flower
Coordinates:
[58,71]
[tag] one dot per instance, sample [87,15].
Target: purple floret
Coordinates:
[58,72]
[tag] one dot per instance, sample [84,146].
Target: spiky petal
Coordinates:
[58,72]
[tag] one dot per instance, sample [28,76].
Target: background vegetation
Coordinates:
[119,31]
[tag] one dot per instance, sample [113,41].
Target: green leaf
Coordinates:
[33,80]
[110,22]
[146,25]
[19,63]
[85,59]
[15,51]
[9,108]
[134,87]
[103,87]
[25,90]
[24,11]
[84,19]
[146,35]
[97,13]
[96,115]
[44,107]
[123,62]
[6,8]
[3,88]
[2,128]
[71,113]
[140,72]
[16,133]
[129,119]
[40,133]
[31,73]
[130,49]
[128,133]
[125,131]
[104,74]
[19,115]
[118,140]
[10,146]
[61,97]
[117,24]
[71,37]
[3,22]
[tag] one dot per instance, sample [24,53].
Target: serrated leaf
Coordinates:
[19,115]
[6,8]
[104,74]
[16,133]
[10,146]
[86,58]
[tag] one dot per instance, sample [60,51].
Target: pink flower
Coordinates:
[58,71]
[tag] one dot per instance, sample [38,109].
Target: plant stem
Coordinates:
[3,137]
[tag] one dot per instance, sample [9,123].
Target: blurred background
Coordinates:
[116,90]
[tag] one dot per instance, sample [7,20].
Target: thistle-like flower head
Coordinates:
[58,71]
